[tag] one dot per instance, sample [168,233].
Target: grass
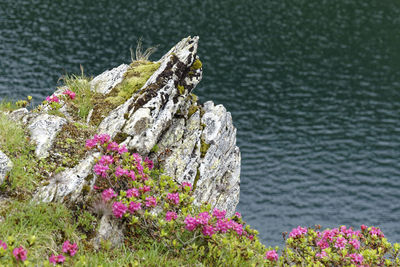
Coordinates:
[14,143]
[6,105]
[83,102]
[139,55]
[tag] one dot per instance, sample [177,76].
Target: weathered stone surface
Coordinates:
[197,143]
[219,178]
[43,130]
[106,81]
[109,231]
[68,183]
[5,166]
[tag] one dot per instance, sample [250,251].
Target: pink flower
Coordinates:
[132,192]
[70,94]
[95,187]
[190,222]
[171,215]
[323,244]
[120,172]
[100,170]
[134,206]
[145,188]
[222,225]
[355,243]
[113,146]
[57,259]
[108,194]
[20,253]
[102,138]
[203,218]
[237,214]
[173,197]
[69,248]
[322,254]
[363,227]
[137,158]
[271,255]
[140,169]
[340,243]
[151,201]
[356,258]
[52,98]
[91,143]
[132,175]
[296,232]
[106,160]
[219,214]
[376,232]
[119,209]
[208,230]
[122,149]
[3,245]
[185,184]
[149,163]
[237,227]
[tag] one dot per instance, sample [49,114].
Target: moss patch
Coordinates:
[197,64]
[135,77]
[69,146]
[203,148]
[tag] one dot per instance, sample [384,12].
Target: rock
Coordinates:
[43,130]
[106,81]
[68,183]
[109,231]
[197,143]
[5,166]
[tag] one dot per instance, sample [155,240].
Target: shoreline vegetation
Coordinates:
[159,222]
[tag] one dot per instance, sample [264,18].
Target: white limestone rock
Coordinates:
[5,166]
[109,231]
[43,130]
[68,183]
[106,81]
[158,114]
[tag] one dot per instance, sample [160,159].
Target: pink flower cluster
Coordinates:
[20,253]
[97,139]
[134,206]
[3,245]
[271,255]
[56,259]
[211,225]
[186,184]
[119,209]
[338,238]
[171,215]
[108,194]
[132,192]
[70,94]
[53,98]
[298,232]
[356,258]
[151,202]
[376,232]
[173,197]
[69,248]
[149,163]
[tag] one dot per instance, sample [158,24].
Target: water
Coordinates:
[313,88]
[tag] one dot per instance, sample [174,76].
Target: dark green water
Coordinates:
[313,87]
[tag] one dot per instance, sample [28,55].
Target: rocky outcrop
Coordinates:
[162,120]
[5,166]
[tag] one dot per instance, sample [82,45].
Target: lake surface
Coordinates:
[313,87]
